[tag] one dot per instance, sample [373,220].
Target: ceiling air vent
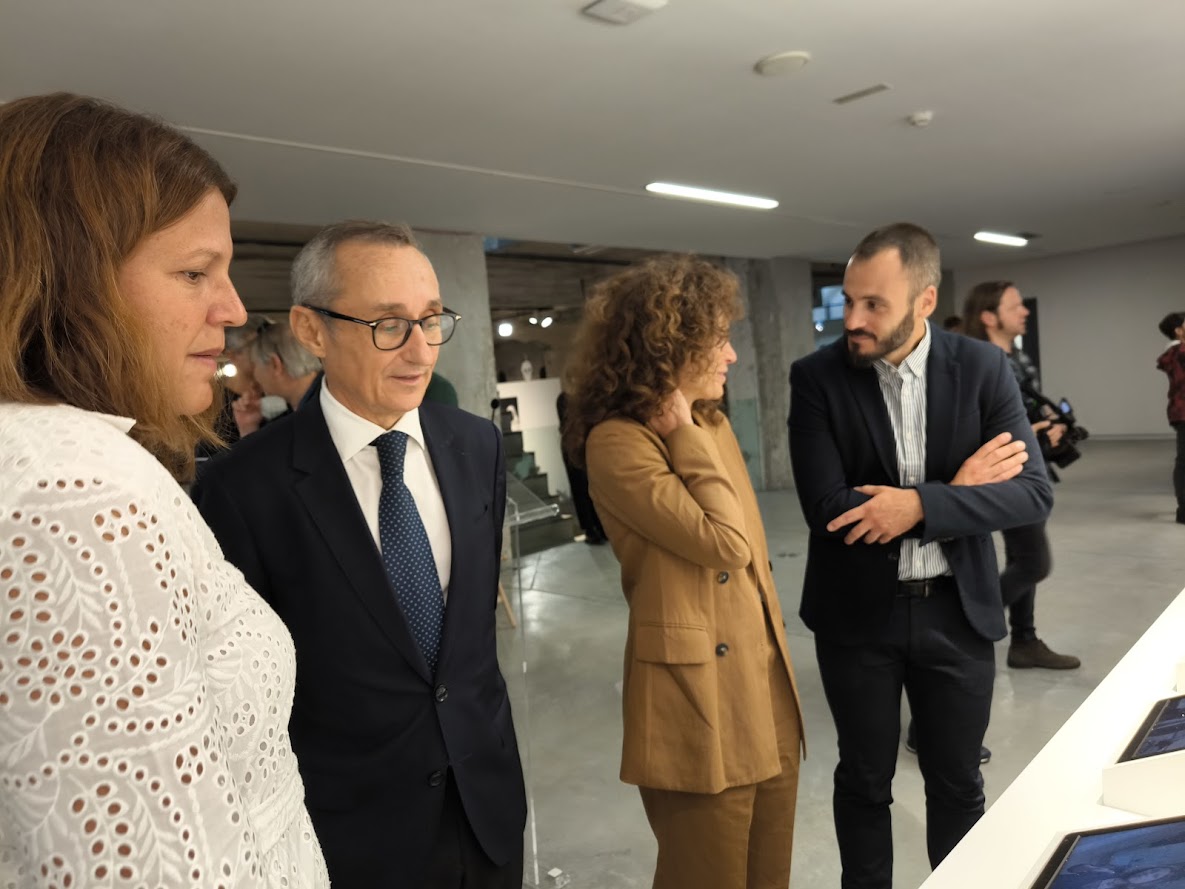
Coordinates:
[622,12]
[862,94]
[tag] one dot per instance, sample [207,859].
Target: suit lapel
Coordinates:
[329,497]
[866,389]
[942,407]
[458,489]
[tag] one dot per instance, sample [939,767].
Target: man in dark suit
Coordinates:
[372,524]
[909,447]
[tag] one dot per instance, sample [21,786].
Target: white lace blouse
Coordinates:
[145,688]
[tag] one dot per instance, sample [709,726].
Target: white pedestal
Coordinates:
[1149,786]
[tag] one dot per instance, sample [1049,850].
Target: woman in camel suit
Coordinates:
[712,726]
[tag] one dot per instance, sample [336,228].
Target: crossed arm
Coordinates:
[881,513]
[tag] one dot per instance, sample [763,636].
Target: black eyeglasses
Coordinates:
[390,334]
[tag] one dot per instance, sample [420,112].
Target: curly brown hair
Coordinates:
[641,329]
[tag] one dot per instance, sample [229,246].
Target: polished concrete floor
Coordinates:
[1117,564]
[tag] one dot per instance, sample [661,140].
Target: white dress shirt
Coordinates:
[904,391]
[352,436]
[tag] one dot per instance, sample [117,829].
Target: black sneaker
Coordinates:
[1035,653]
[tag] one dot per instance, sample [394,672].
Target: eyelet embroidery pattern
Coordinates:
[145,689]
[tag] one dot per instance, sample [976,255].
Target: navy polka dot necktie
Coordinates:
[407,554]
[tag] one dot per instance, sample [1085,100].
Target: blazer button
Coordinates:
[722,577]
[436,779]
[893,557]
[441,694]
[722,649]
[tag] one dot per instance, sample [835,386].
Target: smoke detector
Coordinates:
[622,12]
[920,119]
[783,63]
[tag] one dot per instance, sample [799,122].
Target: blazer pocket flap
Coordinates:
[672,644]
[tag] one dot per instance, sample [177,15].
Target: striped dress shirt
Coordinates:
[904,391]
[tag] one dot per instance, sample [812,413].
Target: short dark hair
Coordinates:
[1169,324]
[917,248]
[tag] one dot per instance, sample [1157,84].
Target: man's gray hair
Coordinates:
[278,339]
[917,248]
[314,272]
[238,338]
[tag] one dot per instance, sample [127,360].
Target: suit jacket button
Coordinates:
[441,694]
[722,577]
[436,779]
[893,557]
[722,649]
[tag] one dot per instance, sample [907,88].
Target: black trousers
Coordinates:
[947,670]
[1027,562]
[1179,472]
[586,513]
[459,862]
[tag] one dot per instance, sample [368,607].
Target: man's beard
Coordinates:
[897,338]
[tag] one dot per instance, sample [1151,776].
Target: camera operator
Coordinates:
[995,312]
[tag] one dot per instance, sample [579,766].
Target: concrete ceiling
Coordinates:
[522,119]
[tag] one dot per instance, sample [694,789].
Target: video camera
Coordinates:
[1041,408]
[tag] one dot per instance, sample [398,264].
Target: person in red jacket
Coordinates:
[1172,362]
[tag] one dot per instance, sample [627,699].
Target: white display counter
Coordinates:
[1061,789]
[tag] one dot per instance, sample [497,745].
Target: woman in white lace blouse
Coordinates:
[145,689]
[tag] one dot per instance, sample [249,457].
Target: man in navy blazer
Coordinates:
[910,446]
[401,722]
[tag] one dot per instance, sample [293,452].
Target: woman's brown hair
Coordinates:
[641,329]
[82,183]
[983,297]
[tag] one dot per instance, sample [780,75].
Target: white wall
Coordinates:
[540,426]
[1099,341]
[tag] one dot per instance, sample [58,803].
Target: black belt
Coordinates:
[924,589]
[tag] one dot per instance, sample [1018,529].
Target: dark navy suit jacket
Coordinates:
[841,438]
[373,731]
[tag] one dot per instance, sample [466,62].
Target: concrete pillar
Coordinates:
[467,360]
[778,329]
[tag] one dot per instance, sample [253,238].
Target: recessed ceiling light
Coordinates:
[229,370]
[783,63]
[692,193]
[533,320]
[505,328]
[1004,240]
[546,322]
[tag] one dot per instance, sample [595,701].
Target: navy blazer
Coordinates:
[373,731]
[841,437]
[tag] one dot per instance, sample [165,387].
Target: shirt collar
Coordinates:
[352,433]
[123,424]
[915,361]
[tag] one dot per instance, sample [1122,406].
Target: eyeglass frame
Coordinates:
[374,325]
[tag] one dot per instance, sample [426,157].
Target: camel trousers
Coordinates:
[740,838]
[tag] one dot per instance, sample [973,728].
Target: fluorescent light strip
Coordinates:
[1005,240]
[692,193]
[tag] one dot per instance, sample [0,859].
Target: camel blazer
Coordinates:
[683,521]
